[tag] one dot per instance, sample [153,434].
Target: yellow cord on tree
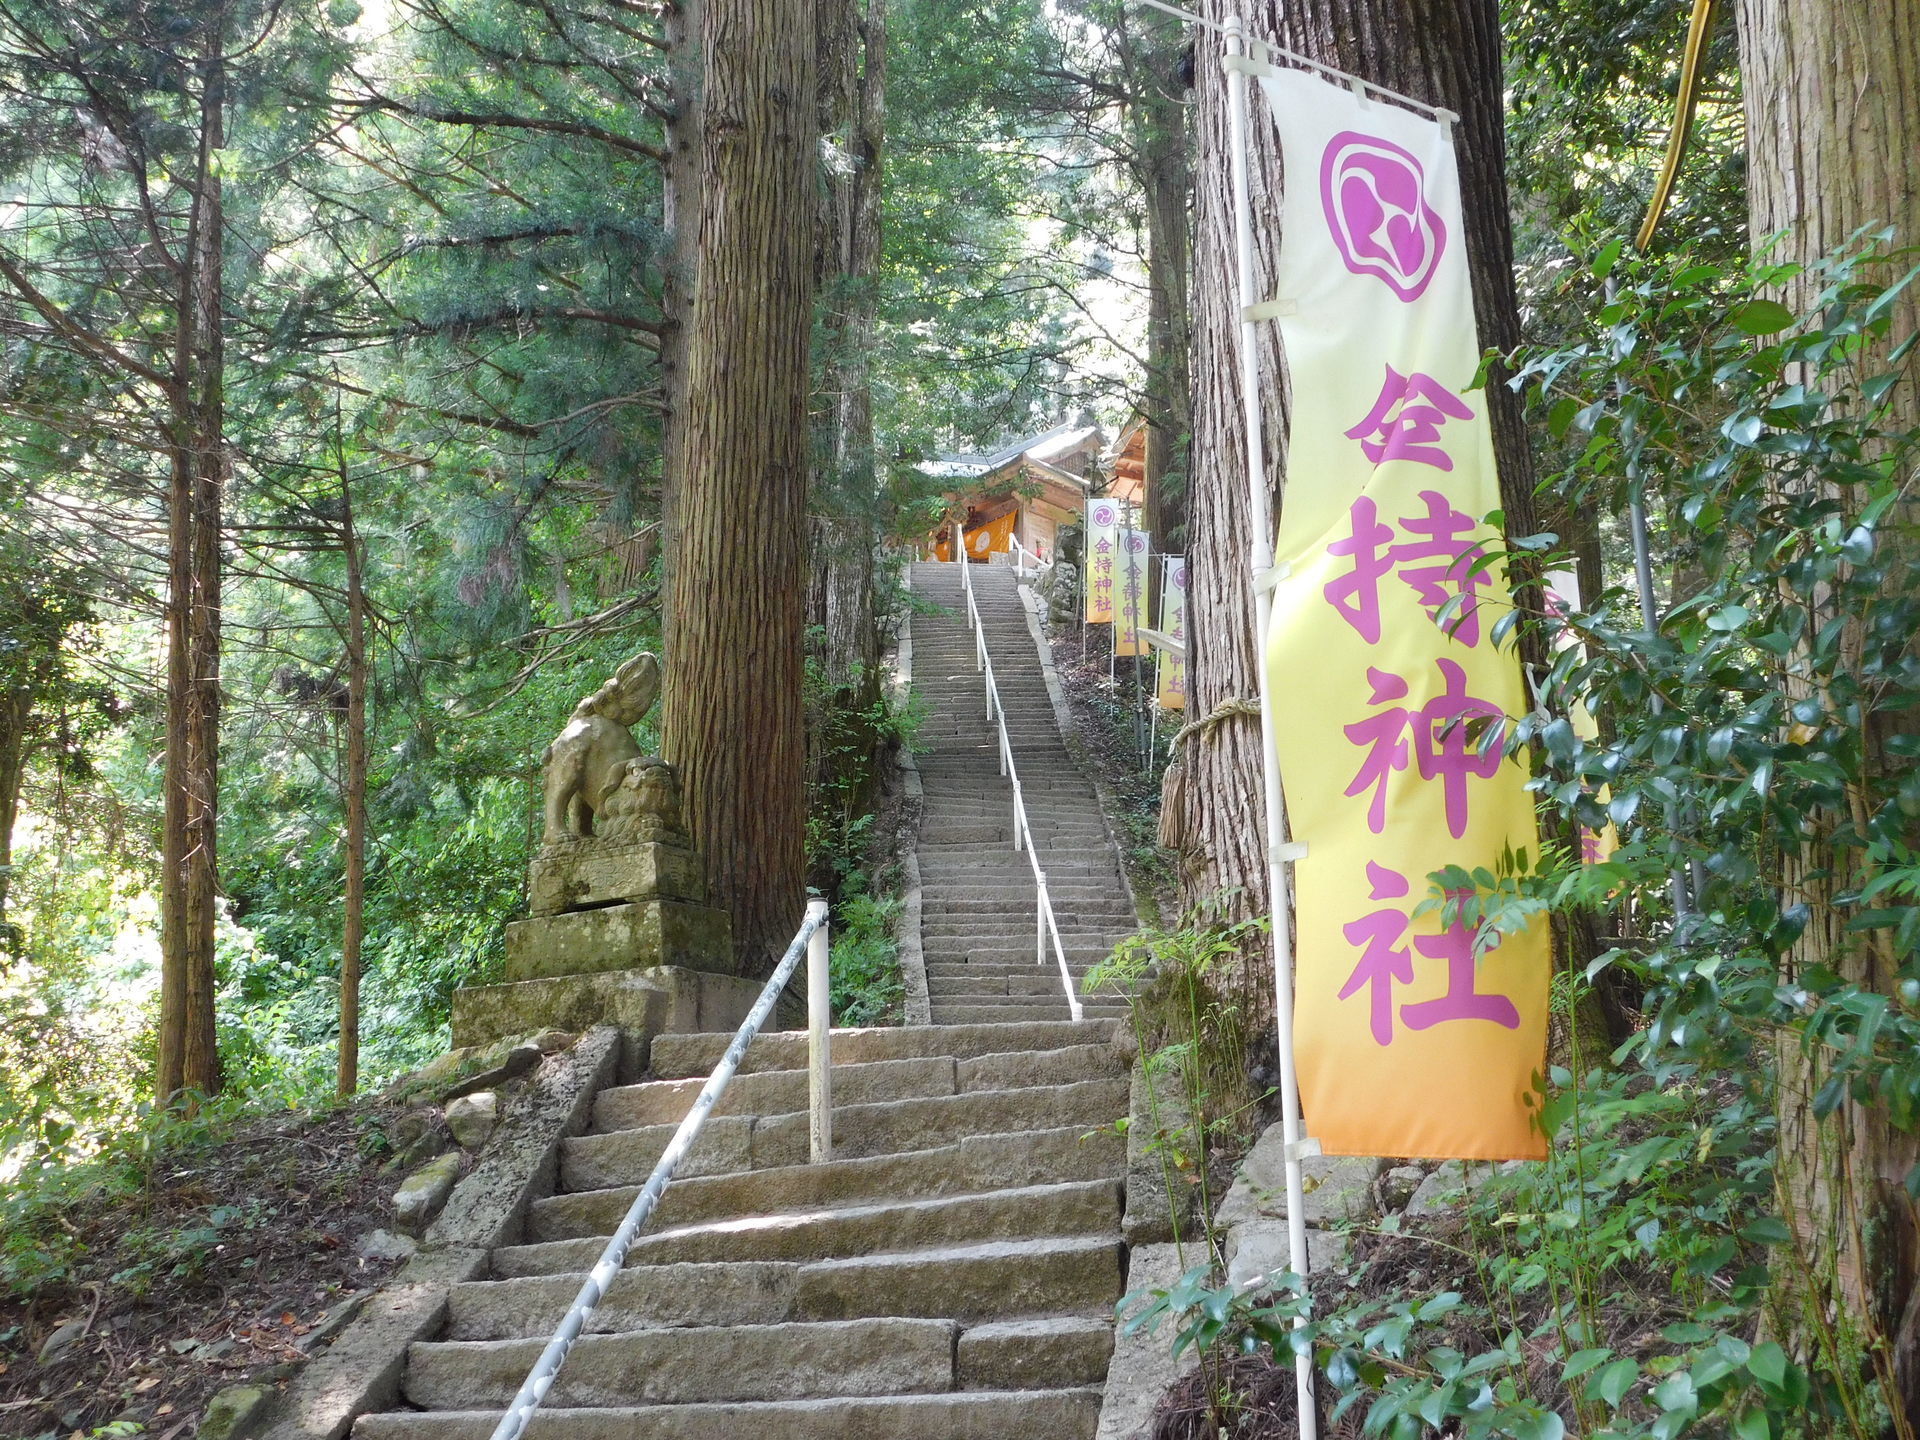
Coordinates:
[1683,107]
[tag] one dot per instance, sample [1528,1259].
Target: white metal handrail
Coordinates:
[811,941]
[1025,562]
[1044,923]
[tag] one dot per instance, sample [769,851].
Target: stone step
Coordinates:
[1074,927]
[678,1056]
[989,1280]
[695,1363]
[666,1102]
[979,831]
[734,1143]
[1074,1207]
[775,1092]
[996,953]
[958,897]
[1041,810]
[987,1415]
[970,1166]
[947,1012]
[1023,984]
[745,1142]
[936,851]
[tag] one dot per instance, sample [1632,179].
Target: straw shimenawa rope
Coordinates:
[1173,788]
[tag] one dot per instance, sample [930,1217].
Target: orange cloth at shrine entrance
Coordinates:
[993,538]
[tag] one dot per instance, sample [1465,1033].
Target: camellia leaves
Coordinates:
[1762,317]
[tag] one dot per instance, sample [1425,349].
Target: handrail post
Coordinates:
[533,1390]
[819,1038]
[1019,814]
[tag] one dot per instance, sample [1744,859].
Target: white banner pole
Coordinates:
[1260,555]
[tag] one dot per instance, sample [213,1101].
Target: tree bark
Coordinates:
[680,219]
[1446,54]
[843,740]
[16,713]
[1833,125]
[188,1057]
[735,620]
[1158,113]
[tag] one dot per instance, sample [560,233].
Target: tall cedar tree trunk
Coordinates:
[1446,54]
[842,738]
[1833,128]
[1157,112]
[735,619]
[189,882]
[680,219]
[353,782]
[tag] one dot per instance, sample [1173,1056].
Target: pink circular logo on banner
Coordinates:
[1137,543]
[1103,515]
[1376,203]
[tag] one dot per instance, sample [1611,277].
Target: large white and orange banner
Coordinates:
[1170,676]
[1390,695]
[1103,558]
[1130,590]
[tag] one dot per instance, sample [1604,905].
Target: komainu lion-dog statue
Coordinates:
[587,761]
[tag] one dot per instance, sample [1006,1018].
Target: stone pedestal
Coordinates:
[636,935]
[586,874]
[642,1003]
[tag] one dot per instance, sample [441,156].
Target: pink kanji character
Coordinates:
[1383,959]
[1356,594]
[1384,735]
[1448,749]
[1462,1001]
[1444,531]
[1405,421]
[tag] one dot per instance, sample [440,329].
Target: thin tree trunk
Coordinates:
[1833,125]
[354,783]
[16,711]
[1159,116]
[843,739]
[735,620]
[188,1056]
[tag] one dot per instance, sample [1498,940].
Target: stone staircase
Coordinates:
[977,918]
[950,1274]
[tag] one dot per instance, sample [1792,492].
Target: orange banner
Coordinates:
[1390,696]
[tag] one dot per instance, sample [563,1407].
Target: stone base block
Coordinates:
[660,1001]
[634,936]
[588,873]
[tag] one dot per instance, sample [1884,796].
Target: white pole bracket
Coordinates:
[1265,580]
[1273,309]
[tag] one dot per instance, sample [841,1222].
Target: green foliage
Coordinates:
[1769,712]
[1551,1329]
[41,1249]
[1194,1019]
[848,745]
[864,962]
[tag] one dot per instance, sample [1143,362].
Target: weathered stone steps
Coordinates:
[1035,1415]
